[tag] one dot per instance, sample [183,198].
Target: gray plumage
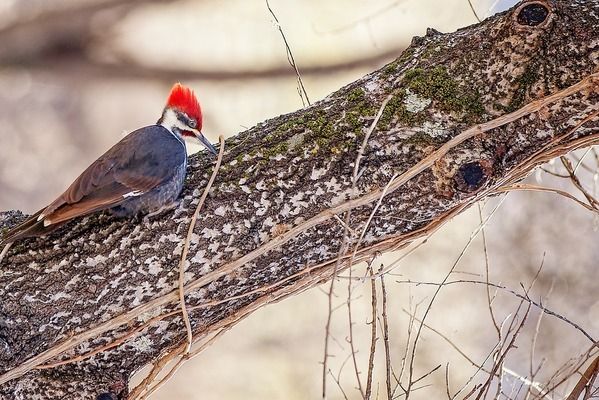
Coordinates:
[143,172]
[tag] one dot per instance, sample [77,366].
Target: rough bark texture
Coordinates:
[287,170]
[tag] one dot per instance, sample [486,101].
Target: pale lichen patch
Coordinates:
[435,129]
[142,344]
[154,265]
[414,103]
[221,211]
[317,173]
[92,262]
[295,141]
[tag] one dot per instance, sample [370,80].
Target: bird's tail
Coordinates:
[28,228]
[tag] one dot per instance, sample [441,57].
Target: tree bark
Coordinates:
[464,114]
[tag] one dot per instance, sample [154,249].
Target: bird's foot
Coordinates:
[161,210]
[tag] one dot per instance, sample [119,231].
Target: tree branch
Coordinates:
[463,121]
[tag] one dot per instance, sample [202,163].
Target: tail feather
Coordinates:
[28,228]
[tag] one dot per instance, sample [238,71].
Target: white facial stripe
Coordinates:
[170,121]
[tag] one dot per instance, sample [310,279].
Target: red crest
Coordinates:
[183,99]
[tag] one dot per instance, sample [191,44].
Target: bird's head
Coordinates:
[182,115]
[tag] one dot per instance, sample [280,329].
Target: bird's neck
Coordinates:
[170,122]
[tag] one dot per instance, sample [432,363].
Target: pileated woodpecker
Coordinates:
[144,172]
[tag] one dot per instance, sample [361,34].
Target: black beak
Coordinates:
[206,143]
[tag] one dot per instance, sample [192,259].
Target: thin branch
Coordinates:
[488,291]
[192,225]
[4,251]
[536,188]
[373,333]
[586,381]
[516,294]
[474,10]
[301,89]
[445,279]
[388,365]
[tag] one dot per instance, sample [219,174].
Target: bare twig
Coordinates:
[301,89]
[574,178]
[373,333]
[520,296]
[182,351]
[342,251]
[586,381]
[385,323]
[4,251]
[192,225]
[445,279]
[488,291]
[473,10]
[536,188]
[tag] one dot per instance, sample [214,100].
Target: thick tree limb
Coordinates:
[83,309]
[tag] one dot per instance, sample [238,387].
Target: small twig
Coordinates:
[192,225]
[445,279]
[344,225]
[586,381]
[499,362]
[183,359]
[518,295]
[473,10]
[182,351]
[342,251]
[448,340]
[580,162]
[337,381]
[147,390]
[373,337]
[553,173]
[371,129]
[388,366]
[533,345]
[301,89]
[4,251]
[535,188]
[488,291]
[355,178]
[574,178]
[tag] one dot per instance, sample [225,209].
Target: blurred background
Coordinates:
[76,75]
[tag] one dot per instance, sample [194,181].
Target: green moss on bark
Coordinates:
[438,85]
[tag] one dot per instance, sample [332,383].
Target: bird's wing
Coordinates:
[130,168]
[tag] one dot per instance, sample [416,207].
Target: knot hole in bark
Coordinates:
[532,14]
[471,176]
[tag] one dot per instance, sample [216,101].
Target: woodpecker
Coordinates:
[144,172]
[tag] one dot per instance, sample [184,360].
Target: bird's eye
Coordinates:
[192,123]
[532,14]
